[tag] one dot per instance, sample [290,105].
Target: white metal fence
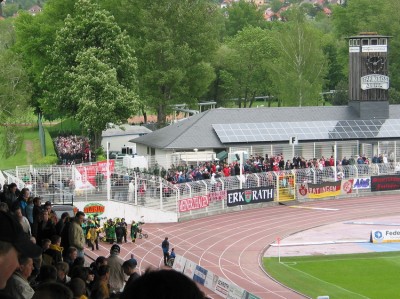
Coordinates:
[58,185]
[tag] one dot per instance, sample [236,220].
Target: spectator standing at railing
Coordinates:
[23,200]
[46,228]
[76,235]
[29,210]
[226,170]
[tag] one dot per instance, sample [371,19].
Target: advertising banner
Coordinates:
[385,183]
[240,197]
[102,167]
[222,287]
[347,186]
[86,179]
[94,209]
[248,295]
[194,203]
[179,263]
[325,189]
[217,196]
[385,236]
[235,292]
[190,268]
[203,201]
[200,275]
[211,280]
[81,180]
[362,183]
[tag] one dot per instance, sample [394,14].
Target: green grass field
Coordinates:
[350,276]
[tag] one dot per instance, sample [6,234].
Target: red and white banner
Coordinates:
[194,203]
[88,174]
[325,189]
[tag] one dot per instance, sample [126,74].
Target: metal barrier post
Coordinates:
[161,194]
[136,187]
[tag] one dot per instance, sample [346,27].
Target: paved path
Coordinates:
[232,245]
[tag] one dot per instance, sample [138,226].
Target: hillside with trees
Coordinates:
[102,61]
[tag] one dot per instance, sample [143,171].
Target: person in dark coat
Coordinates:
[36,213]
[46,228]
[165,249]
[129,268]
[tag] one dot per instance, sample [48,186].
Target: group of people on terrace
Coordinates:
[72,149]
[259,163]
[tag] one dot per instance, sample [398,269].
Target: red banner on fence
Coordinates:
[194,203]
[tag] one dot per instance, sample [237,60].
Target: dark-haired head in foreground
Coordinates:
[163,284]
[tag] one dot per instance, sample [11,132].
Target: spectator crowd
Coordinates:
[56,268]
[258,163]
[72,149]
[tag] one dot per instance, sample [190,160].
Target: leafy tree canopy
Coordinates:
[91,39]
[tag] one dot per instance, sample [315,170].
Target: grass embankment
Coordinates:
[30,152]
[352,276]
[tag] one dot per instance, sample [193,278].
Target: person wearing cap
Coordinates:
[117,277]
[129,268]
[76,236]
[13,240]
[18,285]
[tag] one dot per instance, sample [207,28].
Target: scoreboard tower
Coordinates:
[368,75]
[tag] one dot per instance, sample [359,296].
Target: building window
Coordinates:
[365,42]
[374,41]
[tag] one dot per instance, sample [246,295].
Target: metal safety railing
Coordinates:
[65,184]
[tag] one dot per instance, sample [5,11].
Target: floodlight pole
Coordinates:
[108,173]
[335,163]
[241,171]
[197,156]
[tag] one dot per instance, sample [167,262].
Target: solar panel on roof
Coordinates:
[312,130]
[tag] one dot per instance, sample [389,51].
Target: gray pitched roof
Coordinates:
[125,129]
[197,131]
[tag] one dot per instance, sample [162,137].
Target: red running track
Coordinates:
[232,245]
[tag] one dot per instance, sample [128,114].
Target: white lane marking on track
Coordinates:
[371,223]
[313,208]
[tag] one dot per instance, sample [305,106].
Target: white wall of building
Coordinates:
[130,212]
[117,142]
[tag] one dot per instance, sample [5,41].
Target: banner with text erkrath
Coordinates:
[385,183]
[240,197]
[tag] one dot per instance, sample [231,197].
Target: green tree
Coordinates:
[245,57]
[242,14]
[276,5]
[99,95]
[300,67]
[14,92]
[335,70]
[35,36]
[90,39]
[14,85]
[381,17]
[174,41]
[358,16]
